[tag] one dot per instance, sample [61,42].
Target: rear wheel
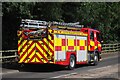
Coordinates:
[72,62]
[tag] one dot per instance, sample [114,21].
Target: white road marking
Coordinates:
[100,68]
[11,71]
[64,75]
[105,67]
[15,71]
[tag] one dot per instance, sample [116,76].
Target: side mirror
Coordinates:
[101,41]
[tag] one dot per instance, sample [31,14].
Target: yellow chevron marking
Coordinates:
[45,55]
[49,37]
[41,51]
[19,48]
[19,40]
[26,61]
[20,53]
[29,50]
[29,42]
[40,57]
[20,44]
[33,60]
[21,60]
[31,55]
[23,50]
[37,60]
[45,47]
[39,48]
[23,43]
[51,47]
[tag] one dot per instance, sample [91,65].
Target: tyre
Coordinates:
[95,62]
[95,59]
[72,62]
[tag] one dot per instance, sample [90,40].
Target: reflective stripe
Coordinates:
[32,51]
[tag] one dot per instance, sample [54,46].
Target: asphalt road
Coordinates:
[53,71]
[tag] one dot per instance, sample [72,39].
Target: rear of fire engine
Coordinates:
[64,44]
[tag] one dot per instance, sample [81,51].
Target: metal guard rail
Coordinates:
[110,47]
[8,56]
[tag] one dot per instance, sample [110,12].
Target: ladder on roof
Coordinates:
[27,23]
[68,24]
[71,26]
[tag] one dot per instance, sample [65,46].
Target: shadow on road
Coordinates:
[33,67]
[37,67]
[12,66]
[40,68]
[46,68]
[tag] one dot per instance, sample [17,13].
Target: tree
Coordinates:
[102,16]
[12,14]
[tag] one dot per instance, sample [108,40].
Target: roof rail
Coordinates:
[27,23]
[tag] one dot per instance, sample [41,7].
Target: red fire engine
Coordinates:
[65,44]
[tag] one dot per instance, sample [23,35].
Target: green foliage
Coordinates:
[102,16]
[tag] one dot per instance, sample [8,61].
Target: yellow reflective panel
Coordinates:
[82,42]
[58,42]
[92,43]
[70,42]
[63,48]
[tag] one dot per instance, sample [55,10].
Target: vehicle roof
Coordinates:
[91,29]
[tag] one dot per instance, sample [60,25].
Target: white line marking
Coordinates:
[103,67]
[14,71]
[61,76]
[64,75]
[100,68]
[88,70]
